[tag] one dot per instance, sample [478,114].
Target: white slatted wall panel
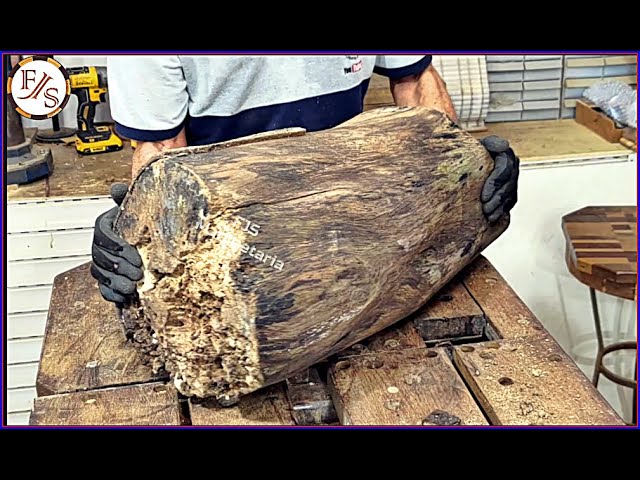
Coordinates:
[468,85]
[546,87]
[45,238]
[524,87]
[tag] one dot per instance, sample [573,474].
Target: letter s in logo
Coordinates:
[49,96]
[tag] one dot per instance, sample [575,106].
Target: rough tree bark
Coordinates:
[263,258]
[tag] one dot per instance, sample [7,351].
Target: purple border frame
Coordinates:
[243,52]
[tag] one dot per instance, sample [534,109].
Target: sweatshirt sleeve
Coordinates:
[148,96]
[398,66]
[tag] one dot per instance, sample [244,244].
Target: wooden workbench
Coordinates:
[77,175]
[475,355]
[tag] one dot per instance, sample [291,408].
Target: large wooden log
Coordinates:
[262,259]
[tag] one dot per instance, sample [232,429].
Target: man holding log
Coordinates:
[166,102]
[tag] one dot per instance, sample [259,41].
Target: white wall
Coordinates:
[44,238]
[530,255]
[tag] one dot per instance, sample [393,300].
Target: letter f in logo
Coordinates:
[38,88]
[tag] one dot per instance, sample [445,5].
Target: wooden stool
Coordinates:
[475,355]
[602,253]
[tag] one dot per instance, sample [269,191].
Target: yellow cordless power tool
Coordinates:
[89,84]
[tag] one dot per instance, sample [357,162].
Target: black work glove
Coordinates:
[500,191]
[116,264]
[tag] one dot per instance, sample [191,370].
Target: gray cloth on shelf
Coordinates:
[616,99]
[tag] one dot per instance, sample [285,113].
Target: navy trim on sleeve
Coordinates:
[312,114]
[147,135]
[413,69]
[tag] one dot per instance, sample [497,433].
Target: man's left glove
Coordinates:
[500,190]
[116,265]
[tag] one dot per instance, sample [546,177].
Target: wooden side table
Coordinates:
[602,253]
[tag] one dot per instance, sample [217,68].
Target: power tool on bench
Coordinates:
[89,84]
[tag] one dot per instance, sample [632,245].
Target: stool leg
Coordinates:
[596,318]
[634,406]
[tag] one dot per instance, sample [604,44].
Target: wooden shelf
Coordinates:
[546,140]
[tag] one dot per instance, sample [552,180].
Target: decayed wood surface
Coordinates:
[362,224]
[396,380]
[451,314]
[531,381]
[148,404]
[85,345]
[266,407]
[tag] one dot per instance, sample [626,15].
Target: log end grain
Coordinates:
[191,271]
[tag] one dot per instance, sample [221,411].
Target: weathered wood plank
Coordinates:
[507,316]
[85,345]
[451,314]
[148,404]
[362,224]
[401,336]
[268,406]
[310,400]
[531,381]
[389,382]
[378,94]
[411,387]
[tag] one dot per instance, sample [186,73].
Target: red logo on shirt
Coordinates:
[355,67]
